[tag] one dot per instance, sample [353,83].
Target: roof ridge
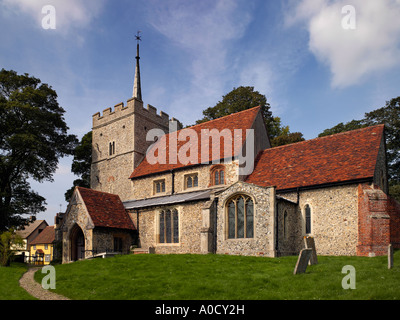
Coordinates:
[228,115]
[324,137]
[92,190]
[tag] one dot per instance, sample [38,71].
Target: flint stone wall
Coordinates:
[262,244]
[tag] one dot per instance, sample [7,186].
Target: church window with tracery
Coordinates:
[169,226]
[240,214]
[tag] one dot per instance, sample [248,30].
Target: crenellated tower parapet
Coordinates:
[119,143]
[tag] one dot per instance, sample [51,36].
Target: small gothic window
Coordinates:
[169,226]
[191,181]
[240,212]
[159,186]
[307,210]
[217,176]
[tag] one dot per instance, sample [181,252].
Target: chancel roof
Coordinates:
[339,158]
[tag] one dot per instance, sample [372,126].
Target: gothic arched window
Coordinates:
[217,175]
[240,216]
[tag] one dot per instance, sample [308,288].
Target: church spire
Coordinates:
[137,89]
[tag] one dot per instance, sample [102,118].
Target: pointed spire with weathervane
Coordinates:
[137,89]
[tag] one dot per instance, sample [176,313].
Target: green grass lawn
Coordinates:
[223,277]
[9,283]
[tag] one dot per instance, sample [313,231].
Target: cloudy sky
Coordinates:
[318,62]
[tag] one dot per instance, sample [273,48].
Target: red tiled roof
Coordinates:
[241,120]
[106,209]
[337,158]
[46,236]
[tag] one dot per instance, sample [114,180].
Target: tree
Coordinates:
[9,241]
[33,136]
[281,135]
[390,116]
[81,164]
[243,98]
[342,127]
[239,99]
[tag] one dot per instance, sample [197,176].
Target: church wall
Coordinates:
[263,242]
[103,239]
[144,187]
[190,223]
[289,231]
[334,222]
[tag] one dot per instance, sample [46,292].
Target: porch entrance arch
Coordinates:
[77,240]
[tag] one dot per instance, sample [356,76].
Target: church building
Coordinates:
[218,187]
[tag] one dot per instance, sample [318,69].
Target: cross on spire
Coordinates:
[137,89]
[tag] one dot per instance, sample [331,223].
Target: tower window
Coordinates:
[111,148]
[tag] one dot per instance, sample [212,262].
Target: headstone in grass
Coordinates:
[302,261]
[309,243]
[390,256]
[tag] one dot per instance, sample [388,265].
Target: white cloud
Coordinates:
[69,14]
[352,55]
[204,30]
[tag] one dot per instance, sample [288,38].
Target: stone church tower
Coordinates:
[119,141]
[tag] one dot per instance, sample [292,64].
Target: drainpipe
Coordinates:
[215,225]
[137,228]
[173,182]
[276,227]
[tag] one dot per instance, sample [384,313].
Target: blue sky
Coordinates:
[316,64]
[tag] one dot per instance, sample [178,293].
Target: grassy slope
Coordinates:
[9,283]
[224,277]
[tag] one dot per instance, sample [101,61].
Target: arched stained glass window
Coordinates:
[240,214]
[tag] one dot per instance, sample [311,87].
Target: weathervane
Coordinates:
[138,36]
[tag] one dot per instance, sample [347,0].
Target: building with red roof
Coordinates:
[219,187]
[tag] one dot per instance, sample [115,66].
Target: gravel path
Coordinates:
[35,289]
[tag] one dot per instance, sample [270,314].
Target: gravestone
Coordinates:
[310,244]
[390,256]
[302,261]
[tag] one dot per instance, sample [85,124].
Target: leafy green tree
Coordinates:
[343,127]
[281,135]
[239,99]
[81,164]
[33,136]
[390,116]
[9,241]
